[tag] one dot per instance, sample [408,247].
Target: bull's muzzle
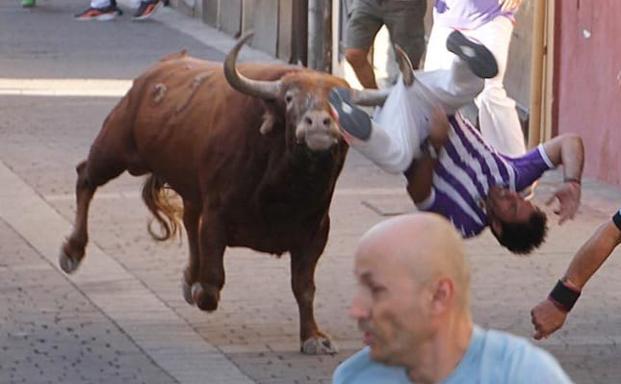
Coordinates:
[318,130]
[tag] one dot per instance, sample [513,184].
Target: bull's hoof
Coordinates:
[205,297]
[187,292]
[66,262]
[319,345]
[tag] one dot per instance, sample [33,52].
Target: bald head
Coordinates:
[424,245]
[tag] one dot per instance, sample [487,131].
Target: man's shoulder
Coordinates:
[360,369]
[522,359]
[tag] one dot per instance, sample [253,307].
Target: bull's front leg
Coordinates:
[303,263]
[211,242]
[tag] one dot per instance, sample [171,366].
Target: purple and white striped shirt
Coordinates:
[467,14]
[466,169]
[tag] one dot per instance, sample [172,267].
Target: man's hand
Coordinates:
[546,318]
[509,5]
[439,127]
[568,196]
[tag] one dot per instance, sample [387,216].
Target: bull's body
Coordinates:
[184,125]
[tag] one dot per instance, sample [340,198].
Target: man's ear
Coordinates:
[443,295]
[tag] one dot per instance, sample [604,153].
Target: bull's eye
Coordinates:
[308,120]
[326,121]
[288,99]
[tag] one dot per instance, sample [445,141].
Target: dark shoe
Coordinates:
[353,121]
[480,60]
[146,9]
[100,14]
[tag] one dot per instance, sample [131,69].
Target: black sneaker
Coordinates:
[101,14]
[353,121]
[146,9]
[480,60]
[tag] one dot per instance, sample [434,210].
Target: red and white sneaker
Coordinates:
[146,9]
[99,14]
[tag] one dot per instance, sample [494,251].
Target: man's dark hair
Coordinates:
[523,238]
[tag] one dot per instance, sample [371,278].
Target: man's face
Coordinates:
[508,206]
[391,308]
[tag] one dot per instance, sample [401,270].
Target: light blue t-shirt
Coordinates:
[493,357]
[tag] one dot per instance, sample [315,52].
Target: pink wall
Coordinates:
[588,82]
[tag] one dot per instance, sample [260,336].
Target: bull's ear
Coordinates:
[268,122]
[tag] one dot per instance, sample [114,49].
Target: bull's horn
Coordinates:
[257,88]
[369,97]
[373,97]
[405,66]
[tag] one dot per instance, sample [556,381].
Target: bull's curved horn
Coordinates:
[405,66]
[257,88]
[369,97]
[373,97]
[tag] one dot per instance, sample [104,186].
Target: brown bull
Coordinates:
[254,163]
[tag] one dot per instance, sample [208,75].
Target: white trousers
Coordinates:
[401,125]
[498,119]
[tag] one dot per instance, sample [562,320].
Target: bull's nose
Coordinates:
[319,121]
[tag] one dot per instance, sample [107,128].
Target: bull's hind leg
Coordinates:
[72,251]
[191,218]
[303,263]
[212,242]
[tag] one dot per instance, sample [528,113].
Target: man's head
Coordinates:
[412,280]
[517,224]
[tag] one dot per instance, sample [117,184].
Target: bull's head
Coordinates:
[303,94]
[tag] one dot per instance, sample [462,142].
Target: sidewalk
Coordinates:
[121,318]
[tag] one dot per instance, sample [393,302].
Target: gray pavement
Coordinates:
[121,318]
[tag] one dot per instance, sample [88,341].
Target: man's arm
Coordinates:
[567,150]
[420,175]
[509,5]
[549,316]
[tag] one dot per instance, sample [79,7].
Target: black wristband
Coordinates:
[564,296]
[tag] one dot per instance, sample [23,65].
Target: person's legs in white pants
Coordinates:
[403,122]
[437,56]
[498,119]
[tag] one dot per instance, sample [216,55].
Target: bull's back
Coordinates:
[187,115]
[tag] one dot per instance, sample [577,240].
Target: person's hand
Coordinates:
[546,318]
[509,5]
[568,195]
[439,127]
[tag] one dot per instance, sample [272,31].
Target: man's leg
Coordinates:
[437,56]
[391,146]
[498,119]
[405,21]
[362,26]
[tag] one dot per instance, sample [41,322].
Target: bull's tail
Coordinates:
[158,197]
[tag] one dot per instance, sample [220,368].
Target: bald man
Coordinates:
[412,305]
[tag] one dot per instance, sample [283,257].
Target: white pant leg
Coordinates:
[452,88]
[498,118]
[436,55]
[100,3]
[402,123]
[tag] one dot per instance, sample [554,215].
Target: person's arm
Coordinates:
[420,175]
[567,150]
[548,316]
[509,5]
